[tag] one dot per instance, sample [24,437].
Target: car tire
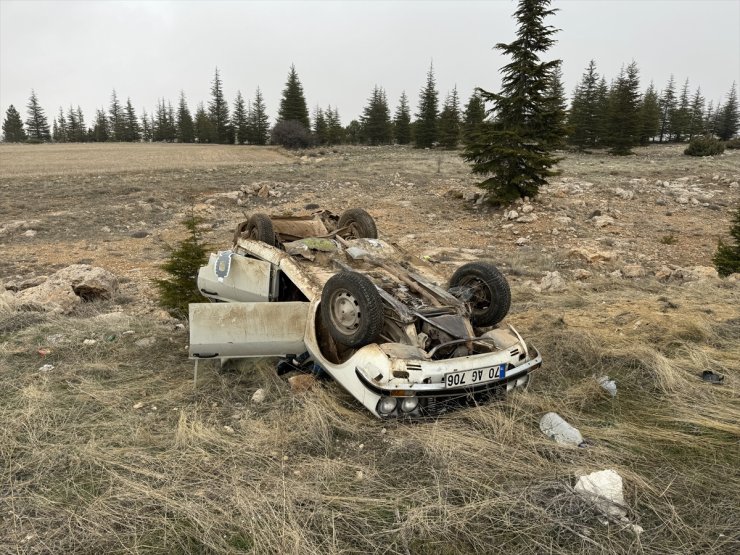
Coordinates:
[491,294]
[259,228]
[359,224]
[351,309]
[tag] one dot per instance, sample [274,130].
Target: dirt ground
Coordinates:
[610,272]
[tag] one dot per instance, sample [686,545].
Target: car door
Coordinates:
[238,329]
[232,277]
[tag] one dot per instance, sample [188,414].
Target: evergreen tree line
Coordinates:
[619,116]
[614,115]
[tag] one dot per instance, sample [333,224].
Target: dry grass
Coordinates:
[83,471]
[97,158]
[208,471]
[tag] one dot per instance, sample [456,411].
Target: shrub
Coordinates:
[177,291]
[733,144]
[727,257]
[704,146]
[290,134]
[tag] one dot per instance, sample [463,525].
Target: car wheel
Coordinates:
[259,228]
[490,296]
[351,309]
[359,224]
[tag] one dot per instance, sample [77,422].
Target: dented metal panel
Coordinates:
[247,329]
[247,280]
[298,227]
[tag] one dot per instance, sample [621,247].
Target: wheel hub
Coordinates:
[345,312]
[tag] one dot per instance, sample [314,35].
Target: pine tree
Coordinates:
[13,131]
[602,105]
[218,112]
[681,117]
[696,111]
[353,132]
[259,122]
[727,257]
[60,133]
[101,128]
[293,105]
[37,125]
[132,131]
[449,121]
[320,127]
[239,121]
[84,133]
[474,117]
[727,120]
[513,151]
[146,127]
[76,131]
[402,121]
[164,127]
[183,264]
[584,120]
[667,109]
[117,119]
[334,129]
[185,126]
[709,119]
[376,119]
[425,126]
[204,131]
[624,116]
[649,115]
[556,108]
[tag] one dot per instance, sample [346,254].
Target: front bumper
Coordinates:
[435,398]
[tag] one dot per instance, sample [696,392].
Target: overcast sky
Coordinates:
[77,52]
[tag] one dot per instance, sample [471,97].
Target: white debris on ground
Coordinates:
[604,490]
[554,427]
[608,385]
[258,396]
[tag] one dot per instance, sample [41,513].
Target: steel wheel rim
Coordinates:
[344,312]
[482,293]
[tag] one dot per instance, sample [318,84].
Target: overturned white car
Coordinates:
[328,295]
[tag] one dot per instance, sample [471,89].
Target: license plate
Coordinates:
[475,377]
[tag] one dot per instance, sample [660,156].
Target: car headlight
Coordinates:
[409,404]
[386,405]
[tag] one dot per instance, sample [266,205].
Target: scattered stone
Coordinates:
[682,200]
[594,214]
[609,385]
[30,233]
[592,256]
[522,241]
[552,282]
[46,368]
[664,273]
[603,221]
[733,278]
[554,427]
[145,342]
[604,490]
[696,273]
[89,342]
[259,396]
[264,191]
[228,429]
[31,282]
[140,234]
[617,274]
[105,229]
[581,274]
[633,271]
[527,208]
[624,194]
[527,219]
[513,215]
[471,195]
[359,475]
[138,405]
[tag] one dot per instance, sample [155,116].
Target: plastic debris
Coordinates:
[89,342]
[712,377]
[46,368]
[604,490]
[554,427]
[608,385]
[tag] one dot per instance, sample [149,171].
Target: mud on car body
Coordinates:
[324,291]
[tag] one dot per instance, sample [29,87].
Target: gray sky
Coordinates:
[77,52]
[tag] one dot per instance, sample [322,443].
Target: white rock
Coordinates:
[145,342]
[513,215]
[633,271]
[471,195]
[604,490]
[46,368]
[259,396]
[526,219]
[555,427]
[522,241]
[581,274]
[527,208]
[30,233]
[228,429]
[89,342]
[138,405]
[608,385]
[552,282]
[624,194]
[603,221]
